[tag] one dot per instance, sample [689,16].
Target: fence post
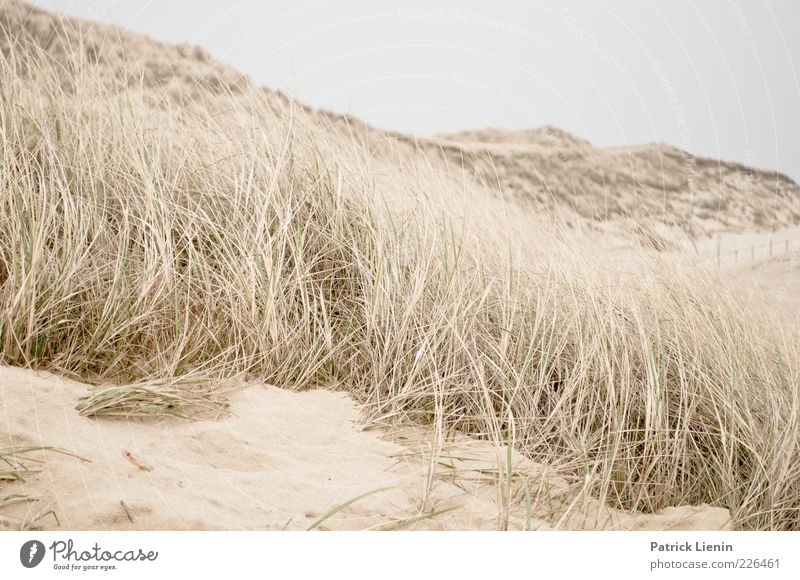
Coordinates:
[752,253]
[718,250]
[736,256]
[770,247]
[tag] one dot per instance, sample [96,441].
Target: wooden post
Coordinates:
[736,256]
[770,247]
[752,253]
[718,250]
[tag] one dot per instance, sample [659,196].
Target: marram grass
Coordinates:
[141,241]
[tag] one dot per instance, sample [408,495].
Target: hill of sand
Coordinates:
[275,459]
[272,460]
[657,191]
[658,188]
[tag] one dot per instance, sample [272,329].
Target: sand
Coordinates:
[762,268]
[275,460]
[771,283]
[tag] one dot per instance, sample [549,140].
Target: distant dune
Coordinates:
[656,189]
[656,185]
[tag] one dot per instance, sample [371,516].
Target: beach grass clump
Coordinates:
[16,464]
[144,239]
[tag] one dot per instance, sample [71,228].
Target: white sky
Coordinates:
[717,77]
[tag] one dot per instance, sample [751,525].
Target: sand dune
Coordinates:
[163,217]
[274,460]
[656,187]
[658,190]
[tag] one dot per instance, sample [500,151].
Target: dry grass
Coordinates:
[139,242]
[16,464]
[184,398]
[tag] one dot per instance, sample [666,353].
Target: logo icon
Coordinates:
[31,553]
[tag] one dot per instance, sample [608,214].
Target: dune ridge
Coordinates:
[658,187]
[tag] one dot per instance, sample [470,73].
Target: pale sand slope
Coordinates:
[278,460]
[771,283]
[763,269]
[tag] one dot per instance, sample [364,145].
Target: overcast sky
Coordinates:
[716,77]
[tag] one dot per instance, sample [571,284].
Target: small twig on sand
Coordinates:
[129,456]
[127,511]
